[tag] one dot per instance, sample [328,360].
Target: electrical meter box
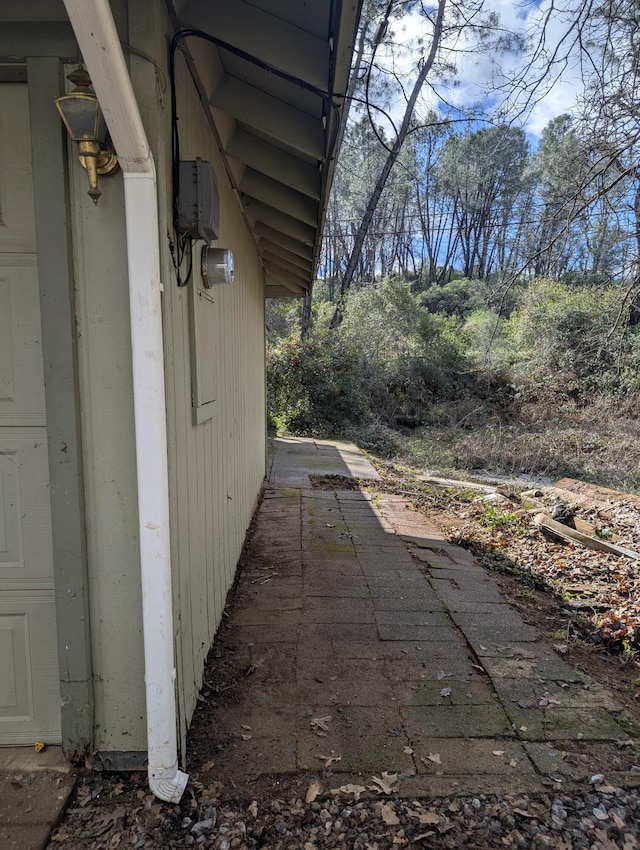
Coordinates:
[198,200]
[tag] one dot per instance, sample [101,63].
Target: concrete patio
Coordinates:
[360,641]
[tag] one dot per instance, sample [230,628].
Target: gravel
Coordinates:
[601,819]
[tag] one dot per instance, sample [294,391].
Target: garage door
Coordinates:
[29,686]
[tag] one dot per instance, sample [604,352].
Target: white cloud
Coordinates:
[479,73]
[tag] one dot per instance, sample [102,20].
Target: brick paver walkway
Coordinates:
[375,645]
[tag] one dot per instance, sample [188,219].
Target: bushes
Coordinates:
[314,384]
[567,340]
[387,362]
[394,362]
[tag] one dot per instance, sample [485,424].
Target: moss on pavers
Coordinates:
[412,618]
[501,662]
[458,588]
[578,760]
[557,724]
[532,693]
[422,634]
[487,630]
[327,609]
[456,721]
[322,633]
[341,545]
[471,691]
[337,587]
[472,757]
[328,557]
[345,684]
[368,740]
[387,599]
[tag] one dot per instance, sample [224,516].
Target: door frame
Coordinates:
[45,82]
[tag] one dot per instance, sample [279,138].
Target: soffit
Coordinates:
[274,83]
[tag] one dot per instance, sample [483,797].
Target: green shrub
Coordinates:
[567,340]
[314,384]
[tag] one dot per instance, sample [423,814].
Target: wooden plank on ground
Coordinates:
[595,492]
[544,521]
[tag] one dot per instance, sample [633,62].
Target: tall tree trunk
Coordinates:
[372,203]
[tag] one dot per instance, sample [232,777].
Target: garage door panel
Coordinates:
[29,680]
[21,387]
[17,223]
[25,515]
[29,701]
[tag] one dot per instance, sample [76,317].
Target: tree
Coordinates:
[482,172]
[425,67]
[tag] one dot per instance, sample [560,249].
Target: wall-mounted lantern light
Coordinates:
[85,125]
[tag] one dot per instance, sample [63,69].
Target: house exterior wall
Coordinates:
[217,466]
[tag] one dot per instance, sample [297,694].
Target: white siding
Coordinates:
[216,468]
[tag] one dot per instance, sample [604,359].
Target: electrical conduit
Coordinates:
[97,37]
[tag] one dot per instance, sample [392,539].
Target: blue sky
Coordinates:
[478,72]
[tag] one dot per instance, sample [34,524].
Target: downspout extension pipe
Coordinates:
[97,37]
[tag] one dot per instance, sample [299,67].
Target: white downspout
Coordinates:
[97,37]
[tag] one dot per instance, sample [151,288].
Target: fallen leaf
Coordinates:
[356,790]
[433,757]
[313,791]
[384,784]
[321,722]
[498,752]
[601,813]
[208,765]
[247,728]
[443,675]
[424,835]
[408,751]
[253,808]
[329,760]
[445,692]
[617,820]
[604,842]
[246,737]
[429,818]
[513,763]
[39,746]
[388,815]
[454,806]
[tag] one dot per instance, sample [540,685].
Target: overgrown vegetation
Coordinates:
[550,388]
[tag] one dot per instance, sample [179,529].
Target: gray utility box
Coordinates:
[198,201]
